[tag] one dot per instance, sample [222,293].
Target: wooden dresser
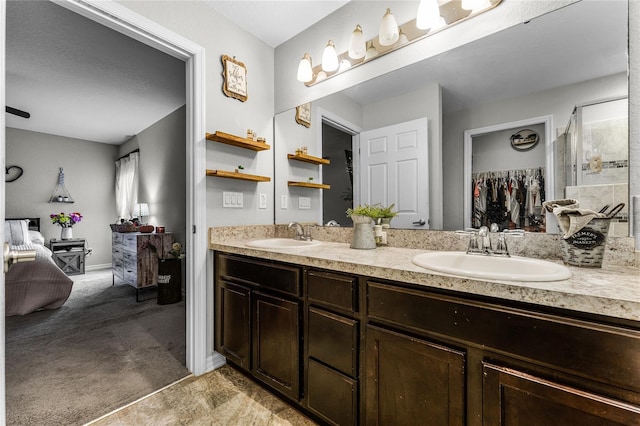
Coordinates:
[133,262]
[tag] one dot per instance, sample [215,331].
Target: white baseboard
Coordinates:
[214,361]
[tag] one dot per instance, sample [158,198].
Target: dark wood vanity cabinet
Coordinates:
[257,319]
[352,350]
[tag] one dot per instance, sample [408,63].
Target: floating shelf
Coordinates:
[60,193]
[308,159]
[238,141]
[240,176]
[309,185]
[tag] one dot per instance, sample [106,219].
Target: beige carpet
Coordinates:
[98,352]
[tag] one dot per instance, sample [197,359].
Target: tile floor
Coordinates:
[220,397]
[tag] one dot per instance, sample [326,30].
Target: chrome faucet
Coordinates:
[302,234]
[480,240]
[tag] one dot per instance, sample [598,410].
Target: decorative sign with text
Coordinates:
[235,78]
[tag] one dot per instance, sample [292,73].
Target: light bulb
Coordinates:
[330,58]
[428,14]
[305,72]
[321,76]
[475,4]
[357,44]
[388,34]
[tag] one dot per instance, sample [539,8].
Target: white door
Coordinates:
[394,169]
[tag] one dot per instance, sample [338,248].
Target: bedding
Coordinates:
[31,286]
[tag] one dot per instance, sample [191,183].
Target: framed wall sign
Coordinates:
[235,78]
[524,140]
[303,114]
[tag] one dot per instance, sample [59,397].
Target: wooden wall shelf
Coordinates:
[309,185]
[238,141]
[240,176]
[308,158]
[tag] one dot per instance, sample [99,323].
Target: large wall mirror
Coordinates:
[537,72]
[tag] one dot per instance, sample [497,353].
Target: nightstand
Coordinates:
[69,254]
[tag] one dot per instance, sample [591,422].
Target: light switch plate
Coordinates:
[232,200]
[262,201]
[304,203]
[283,202]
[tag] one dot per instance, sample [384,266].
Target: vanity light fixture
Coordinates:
[357,44]
[428,14]
[430,20]
[389,32]
[330,58]
[305,71]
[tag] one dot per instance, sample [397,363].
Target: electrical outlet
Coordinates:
[232,200]
[304,203]
[262,201]
[283,202]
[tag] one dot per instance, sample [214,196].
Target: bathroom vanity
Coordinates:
[366,337]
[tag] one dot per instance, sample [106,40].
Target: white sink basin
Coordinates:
[492,267]
[282,243]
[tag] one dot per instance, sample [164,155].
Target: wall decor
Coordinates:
[12,173]
[235,78]
[303,114]
[524,140]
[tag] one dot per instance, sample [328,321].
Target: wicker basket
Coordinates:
[586,247]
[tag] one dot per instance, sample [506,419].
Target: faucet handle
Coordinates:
[501,245]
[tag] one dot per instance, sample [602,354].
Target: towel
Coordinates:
[571,218]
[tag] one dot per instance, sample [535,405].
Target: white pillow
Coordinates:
[16,232]
[36,237]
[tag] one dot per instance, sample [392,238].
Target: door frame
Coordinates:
[549,181]
[322,115]
[129,23]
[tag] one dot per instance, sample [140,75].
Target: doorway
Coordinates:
[124,21]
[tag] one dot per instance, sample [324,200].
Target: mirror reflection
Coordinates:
[537,72]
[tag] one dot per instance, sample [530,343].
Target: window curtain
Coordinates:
[127,185]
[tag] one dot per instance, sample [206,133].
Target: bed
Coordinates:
[31,286]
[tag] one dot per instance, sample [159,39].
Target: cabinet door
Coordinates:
[233,323]
[276,343]
[410,381]
[511,397]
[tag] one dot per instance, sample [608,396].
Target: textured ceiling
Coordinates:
[80,79]
[275,22]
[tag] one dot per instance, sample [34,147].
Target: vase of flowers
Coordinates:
[66,222]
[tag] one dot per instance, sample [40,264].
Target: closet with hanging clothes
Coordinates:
[511,198]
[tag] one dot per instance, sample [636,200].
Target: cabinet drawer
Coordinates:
[333,290]
[333,339]
[275,276]
[130,243]
[331,395]
[608,354]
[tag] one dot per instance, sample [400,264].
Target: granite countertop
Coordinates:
[612,291]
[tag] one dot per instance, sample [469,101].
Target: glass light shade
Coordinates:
[305,71]
[345,64]
[428,14]
[388,33]
[330,58]
[403,38]
[357,44]
[321,76]
[475,4]
[371,51]
[140,210]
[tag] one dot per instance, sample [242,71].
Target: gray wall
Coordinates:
[493,151]
[163,171]
[89,178]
